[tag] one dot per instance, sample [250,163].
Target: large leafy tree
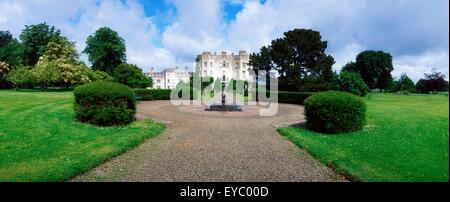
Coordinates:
[59,65]
[404,83]
[105,50]
[299,55]
[433,82]
[375,68]
[350,67]
[21,77]
[35,39]
[132,76]
[5,38]
[10,49]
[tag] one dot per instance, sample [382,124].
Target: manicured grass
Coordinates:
[40,141]
[406,139]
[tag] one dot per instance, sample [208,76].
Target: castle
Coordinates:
[169,77]
[207,65]
[218,65]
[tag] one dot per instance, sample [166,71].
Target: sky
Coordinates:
[168,33]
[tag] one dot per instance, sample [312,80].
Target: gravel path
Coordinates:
[214,146]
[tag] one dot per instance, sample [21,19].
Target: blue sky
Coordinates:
[167,33]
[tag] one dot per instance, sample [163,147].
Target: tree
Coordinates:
[404,83]
[298,55]
[349,67]
[375,68]
[59,65]
[35,39]
[5,38]
[131,76]
[262,65]
[434,82]
[105,50]
[353,83]
[46,73]
[4,70]
[21,77]
[10,49]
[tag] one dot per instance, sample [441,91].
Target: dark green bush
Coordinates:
[152,94]
[293,97]
[287,96]
[352,82]
[335,112]
[162,94]
[104,103]
[132,76]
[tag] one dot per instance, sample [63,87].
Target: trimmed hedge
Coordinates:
[104,103]
[152,94]
[288,97]
[160,94]
[335,112]
[293,97]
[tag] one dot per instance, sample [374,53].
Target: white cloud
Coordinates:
[416,65]
[198,26]
[79,19]
[409,30]
[346,54]
[129,20]
[414,32]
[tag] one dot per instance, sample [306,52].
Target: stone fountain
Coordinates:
[222,106]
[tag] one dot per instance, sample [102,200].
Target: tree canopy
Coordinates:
[299,55]
[59,65]
[132,76]
[105,50]
[35,39]
[11,49]
[433,82]
[404,83]
[375,68]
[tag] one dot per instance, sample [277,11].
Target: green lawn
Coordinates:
[40,141]
[406,139]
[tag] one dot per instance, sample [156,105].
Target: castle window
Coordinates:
[210,64]
[205,72]
[224,64]
[158,81]
[205,64]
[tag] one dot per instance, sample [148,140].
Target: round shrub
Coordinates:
[335,112]
[104,103]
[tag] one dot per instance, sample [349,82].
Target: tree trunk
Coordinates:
[42,86]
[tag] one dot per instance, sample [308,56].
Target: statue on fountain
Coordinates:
[222,106]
